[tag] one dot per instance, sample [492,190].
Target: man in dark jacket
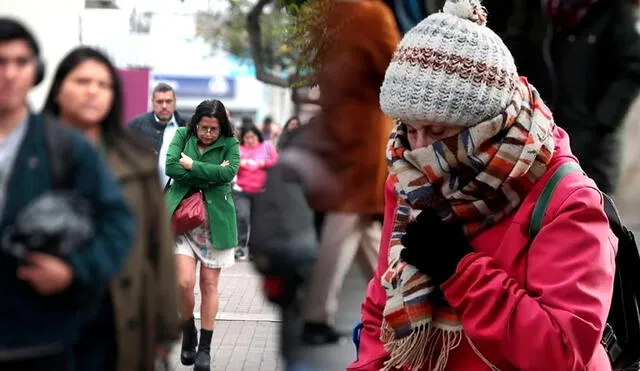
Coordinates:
[38,320]
[159,126]
[584,57]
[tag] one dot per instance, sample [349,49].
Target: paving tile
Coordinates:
[246,332]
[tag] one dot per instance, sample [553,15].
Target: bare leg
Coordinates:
[209,289]
[186,274]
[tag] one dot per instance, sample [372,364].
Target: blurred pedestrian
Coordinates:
[44,301]
[159,126]
[267,128]
[352,69]
[584,57]
[288,131]
[256,156]
[203,157]
[460,284]
[86,94]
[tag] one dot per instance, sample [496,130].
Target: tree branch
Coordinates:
[255,42]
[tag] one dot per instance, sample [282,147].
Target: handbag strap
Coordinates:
[184,145]
[267,154]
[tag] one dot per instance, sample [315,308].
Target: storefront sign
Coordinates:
[220,87]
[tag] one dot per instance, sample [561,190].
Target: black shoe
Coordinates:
[240,254]
[189,342]
[320,334]
[203,358]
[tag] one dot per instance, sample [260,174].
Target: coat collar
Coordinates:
[220,143]
[181,121]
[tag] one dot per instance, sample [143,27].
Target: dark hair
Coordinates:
[292,118]
[11,29]
[113,133]
[163,87]
[250,128]
[215,109]
[247,121]
[267,120]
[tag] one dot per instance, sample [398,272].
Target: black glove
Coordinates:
[434,247]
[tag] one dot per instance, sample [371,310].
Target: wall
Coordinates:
[56,25]
[135,89]
[170,48]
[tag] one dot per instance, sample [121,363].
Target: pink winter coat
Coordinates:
[252,174]
[541,308]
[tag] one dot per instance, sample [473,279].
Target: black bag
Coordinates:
[58,222]
[621,338]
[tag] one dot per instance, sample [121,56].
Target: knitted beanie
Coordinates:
[450,69]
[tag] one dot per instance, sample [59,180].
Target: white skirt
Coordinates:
[197,244]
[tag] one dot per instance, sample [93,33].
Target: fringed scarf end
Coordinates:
[419,348]
[408,351]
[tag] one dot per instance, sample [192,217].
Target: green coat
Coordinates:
[206,174]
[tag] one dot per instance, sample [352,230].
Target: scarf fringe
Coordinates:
[430,178]
[480,355]
[419,347]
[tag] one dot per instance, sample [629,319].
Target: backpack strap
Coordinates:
[58,143]
[541,205]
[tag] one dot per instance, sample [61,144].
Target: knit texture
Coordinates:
[475,179]
[450,70]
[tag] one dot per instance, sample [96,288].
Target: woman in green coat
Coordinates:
[203,156]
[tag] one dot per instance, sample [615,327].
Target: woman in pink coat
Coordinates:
[459,284]
[256,156]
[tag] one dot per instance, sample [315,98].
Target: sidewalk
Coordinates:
[245,337]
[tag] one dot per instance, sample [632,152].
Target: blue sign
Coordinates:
[221,87]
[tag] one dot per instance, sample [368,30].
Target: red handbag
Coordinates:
[189,214]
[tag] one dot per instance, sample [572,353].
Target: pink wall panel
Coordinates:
[135,86]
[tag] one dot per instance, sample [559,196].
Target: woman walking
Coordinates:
[256,156]
[203,157]
[137,316]
[460,283]
[288,132]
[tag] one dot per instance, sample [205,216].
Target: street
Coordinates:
[245,336]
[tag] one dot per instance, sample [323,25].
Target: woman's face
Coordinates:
[293,125]
[208,130]
[86,94]
[422,134]
[250,139]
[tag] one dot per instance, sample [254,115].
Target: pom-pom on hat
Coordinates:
[450,69]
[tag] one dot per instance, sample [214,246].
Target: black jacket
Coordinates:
[588,75]
[151,130]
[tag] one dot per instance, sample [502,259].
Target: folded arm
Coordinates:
[174,169]
[216,172]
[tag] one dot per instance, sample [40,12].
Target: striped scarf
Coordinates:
[477,178]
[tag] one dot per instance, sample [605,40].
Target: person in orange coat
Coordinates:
[352,70]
